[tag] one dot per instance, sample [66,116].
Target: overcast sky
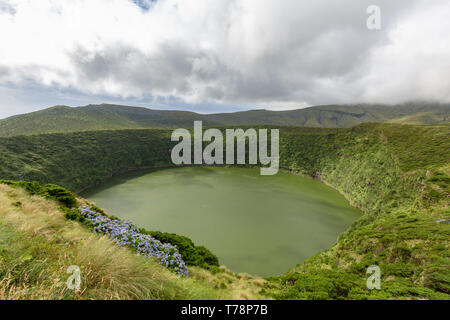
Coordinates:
[221,55]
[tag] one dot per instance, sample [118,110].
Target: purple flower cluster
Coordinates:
[126,234]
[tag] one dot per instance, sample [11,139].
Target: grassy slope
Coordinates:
[111,117]
[398,175]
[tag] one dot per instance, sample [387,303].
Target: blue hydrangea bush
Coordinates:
[126,234]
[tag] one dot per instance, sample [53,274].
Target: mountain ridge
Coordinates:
[111,117]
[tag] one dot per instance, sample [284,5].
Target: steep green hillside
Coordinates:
[77,160]
[398,175]
[110,117]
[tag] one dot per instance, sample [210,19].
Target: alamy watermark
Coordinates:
[374,20]
[214,151]
[374,281]
[74,281]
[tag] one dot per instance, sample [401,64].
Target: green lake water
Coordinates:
[262,225]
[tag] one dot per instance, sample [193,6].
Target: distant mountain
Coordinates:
[107,117]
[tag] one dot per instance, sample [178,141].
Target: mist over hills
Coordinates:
[112,117]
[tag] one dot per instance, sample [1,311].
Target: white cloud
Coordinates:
[276,54]
[415,61]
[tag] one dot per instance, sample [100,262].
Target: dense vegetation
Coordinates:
[398,175]
[113,117]
[77,160]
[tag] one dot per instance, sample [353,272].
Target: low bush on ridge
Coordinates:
[49,191]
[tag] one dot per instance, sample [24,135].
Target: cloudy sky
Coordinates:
[221,55]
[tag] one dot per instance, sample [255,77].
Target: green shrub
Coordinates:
[73,214]
[191,254]
[319,285]
[206,256]
[60,194]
